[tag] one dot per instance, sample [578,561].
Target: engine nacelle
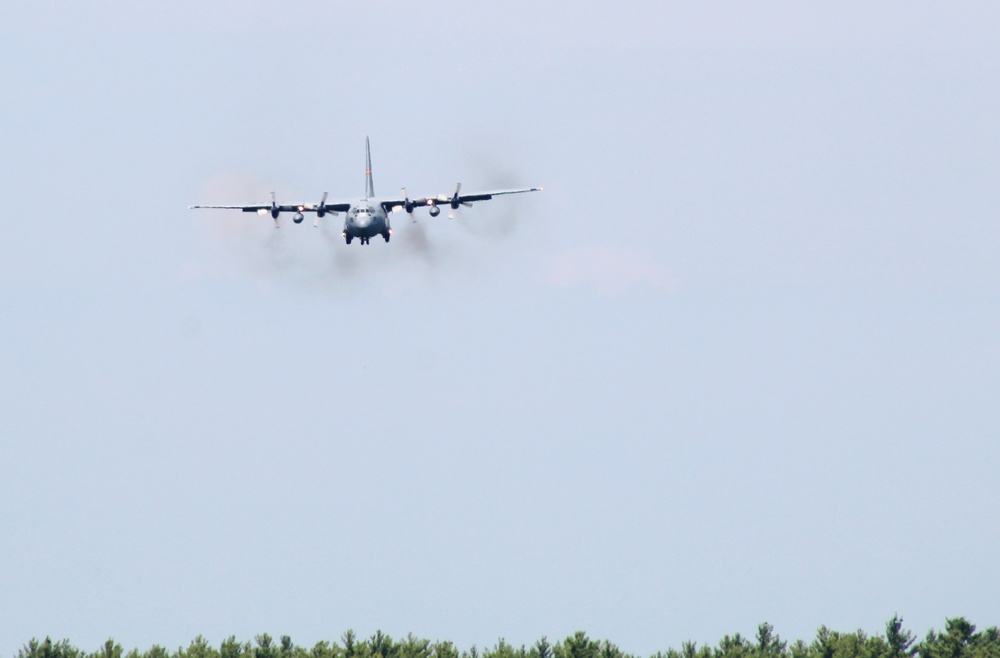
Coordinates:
[297,218]
[434,211]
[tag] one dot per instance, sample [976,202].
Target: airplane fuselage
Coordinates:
[365,220]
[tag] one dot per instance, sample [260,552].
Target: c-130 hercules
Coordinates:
[370,216]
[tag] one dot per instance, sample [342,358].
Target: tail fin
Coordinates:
[369,186]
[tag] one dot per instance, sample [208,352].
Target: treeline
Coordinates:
[959,639]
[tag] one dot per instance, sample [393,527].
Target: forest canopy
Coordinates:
[959,639]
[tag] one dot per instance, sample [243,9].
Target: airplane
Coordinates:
[369,216]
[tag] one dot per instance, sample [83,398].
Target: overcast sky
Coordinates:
[739,362]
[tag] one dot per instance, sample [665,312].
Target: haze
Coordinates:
[737,363]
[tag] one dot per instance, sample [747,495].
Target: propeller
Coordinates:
[456,201]
[320,210]
[408,205]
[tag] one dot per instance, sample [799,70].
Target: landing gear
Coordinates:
[385,234]
[348,238]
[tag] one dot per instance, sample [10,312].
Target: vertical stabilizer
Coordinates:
[369,186]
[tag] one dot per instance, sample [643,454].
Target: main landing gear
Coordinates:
[349,238]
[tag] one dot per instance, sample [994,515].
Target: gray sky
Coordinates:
[739,362]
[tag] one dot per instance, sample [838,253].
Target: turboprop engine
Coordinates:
[321,208]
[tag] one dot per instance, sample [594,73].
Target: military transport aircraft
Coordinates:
[369,216]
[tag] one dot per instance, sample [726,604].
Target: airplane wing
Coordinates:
[339,206]
[260,207]
[313,207]
[486,196]
[454,200]
[304,207]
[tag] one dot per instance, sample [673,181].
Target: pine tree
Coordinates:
[900,641]
[769,644]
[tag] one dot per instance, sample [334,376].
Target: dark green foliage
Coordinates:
[959,639]
[769,644]
[350,644]
[735,646]
[900,641]
[503,650]
[413,647]
[577,645]
[444,650]
[48,649]
[542,649]
[799,649]
[199,648]
[825,644]
[609,650]
[265,647]
[110,649]
[229,648]
[325,649]
[379,645]
[690,650]
[953,643]
[989,644]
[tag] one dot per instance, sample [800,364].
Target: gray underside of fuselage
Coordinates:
[376,227]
